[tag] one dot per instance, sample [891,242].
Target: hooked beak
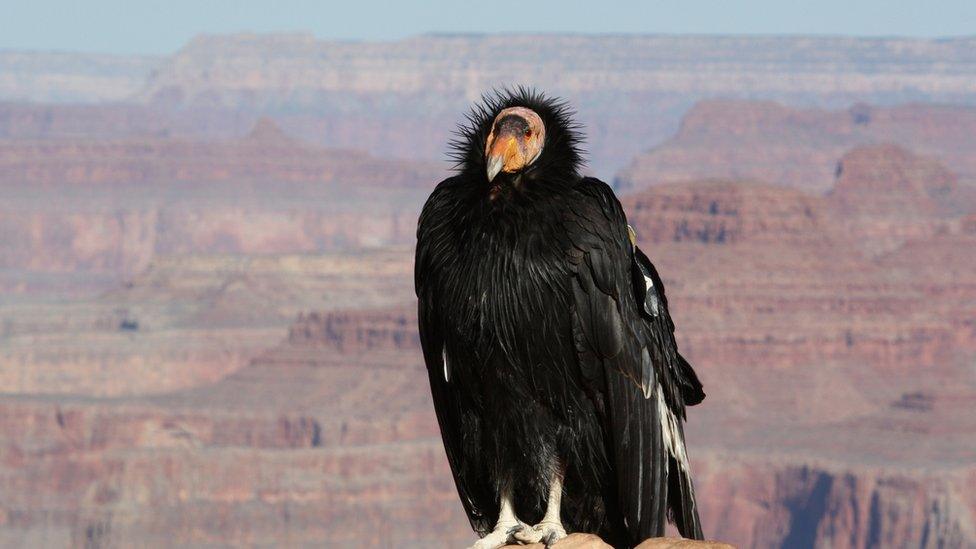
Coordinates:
[495,164]
[504,155]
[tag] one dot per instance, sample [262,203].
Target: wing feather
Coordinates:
[624,338]
[453,415]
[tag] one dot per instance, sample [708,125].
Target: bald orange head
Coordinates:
[516,140]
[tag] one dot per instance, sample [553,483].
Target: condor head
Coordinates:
[515,142]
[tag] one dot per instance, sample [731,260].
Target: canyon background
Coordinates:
[207,325]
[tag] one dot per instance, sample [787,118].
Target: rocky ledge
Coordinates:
[589,541]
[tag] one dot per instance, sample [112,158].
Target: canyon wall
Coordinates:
[207,328]
[799,147]
[120,203]
[330,439]
[70,77]
[403,98]
[834,381]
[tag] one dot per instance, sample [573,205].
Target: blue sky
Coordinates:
[159,27]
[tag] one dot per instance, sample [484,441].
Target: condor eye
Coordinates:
[528,132]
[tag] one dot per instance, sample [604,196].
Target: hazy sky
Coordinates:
[133,26]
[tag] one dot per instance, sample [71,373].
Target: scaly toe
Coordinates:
[545,532]
[553,536]
[497,538]
[531,534]
[489,543]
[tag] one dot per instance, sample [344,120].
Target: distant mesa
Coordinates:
[796,147]
[248,67]
[72,77]
[887,195]
[883,196]
[870,177]
[408,94]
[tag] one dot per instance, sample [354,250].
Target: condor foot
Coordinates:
[547,532]
[501,536]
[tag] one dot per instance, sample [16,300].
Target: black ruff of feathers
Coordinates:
[561,155]
[547,339]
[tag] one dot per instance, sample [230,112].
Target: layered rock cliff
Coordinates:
[835,335]
[834,380]
[354,93]
[266,154]
[887,195]
[783,145]
[71,77]
[402,98]
[123,202]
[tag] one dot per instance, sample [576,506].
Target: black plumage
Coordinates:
[547,340]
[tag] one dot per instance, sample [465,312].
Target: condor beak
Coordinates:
[495,164]
[504,155]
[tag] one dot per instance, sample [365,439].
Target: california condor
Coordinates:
[553,367]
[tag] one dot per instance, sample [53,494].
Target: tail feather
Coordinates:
[682,509]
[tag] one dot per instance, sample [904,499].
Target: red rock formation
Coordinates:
[615,80]
[773,143]
[330,438]
[123,242]
[886,195]
[121,203]
[677,543]
[187,321]
[357,331]
[406,95]
[723,212]
[250,67]
[319,447]
[834,383]
[25,121]
[266,154]
[764,504]
[887,179]
[835,380]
